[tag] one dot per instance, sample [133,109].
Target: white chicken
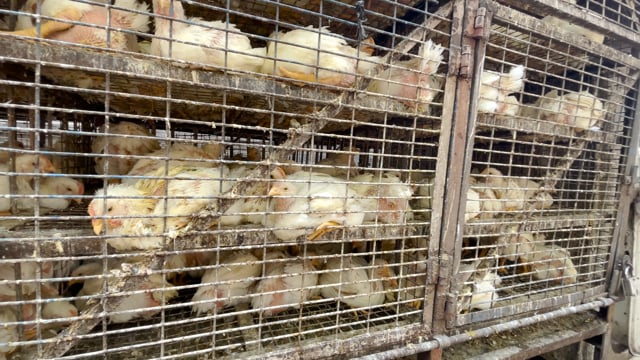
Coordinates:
[144,301]
[57,193]
[514,245]
[286,283]
[28,271]
[193,39]
[188,190]
[128,15]
[355,282]
[413,81]
[25,165]
[384,196]
[119,210]
[179,154]
[482,294]
[495,89]
[306,200]
[227,284]
[317,56]
[551,263]
[580,110]
[514,193]
[124,139]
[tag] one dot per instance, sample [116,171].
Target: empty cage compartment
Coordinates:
[552,133]
[251,178]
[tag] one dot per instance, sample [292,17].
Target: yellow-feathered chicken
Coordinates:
[128,15]
[193,39]
[316,55]
[124,139]
[413,82]
[495,89]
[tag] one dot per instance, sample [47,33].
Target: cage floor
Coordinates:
[225,335]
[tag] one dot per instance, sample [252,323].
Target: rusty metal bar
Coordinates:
[444,341]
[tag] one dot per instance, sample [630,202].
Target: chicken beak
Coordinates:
[393,283]
[97,224]
[49,168]
[275,192]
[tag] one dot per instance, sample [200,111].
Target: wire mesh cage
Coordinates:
[224,206]
[268,178]
[553,128]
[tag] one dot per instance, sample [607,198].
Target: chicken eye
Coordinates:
[110,208]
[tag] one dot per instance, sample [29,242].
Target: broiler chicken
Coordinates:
[227,284]
[580,110]
[179,154]
[356,283]
[514,193]
[413,82]
[385,197]
[124,139]
[128,15]
[482,294]
[317,56]
[552,263]
[306,200]
[57,193]
[188,190]
[514,245]
[26,165]
[286,283]
[143,302]
[8,332]
[119,210]
[495,89]
[28,271]
[193,39]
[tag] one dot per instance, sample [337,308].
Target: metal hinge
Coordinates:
[478,24]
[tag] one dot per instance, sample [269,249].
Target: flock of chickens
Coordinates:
[159,189]
[304,55]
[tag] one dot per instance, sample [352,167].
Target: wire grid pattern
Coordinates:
[526,254]
[67,98]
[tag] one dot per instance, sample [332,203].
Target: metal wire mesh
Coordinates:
[549,179]
[214,207]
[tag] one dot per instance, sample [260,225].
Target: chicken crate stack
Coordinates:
[316,179]
[197,180]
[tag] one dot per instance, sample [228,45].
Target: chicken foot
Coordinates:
[322,229]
